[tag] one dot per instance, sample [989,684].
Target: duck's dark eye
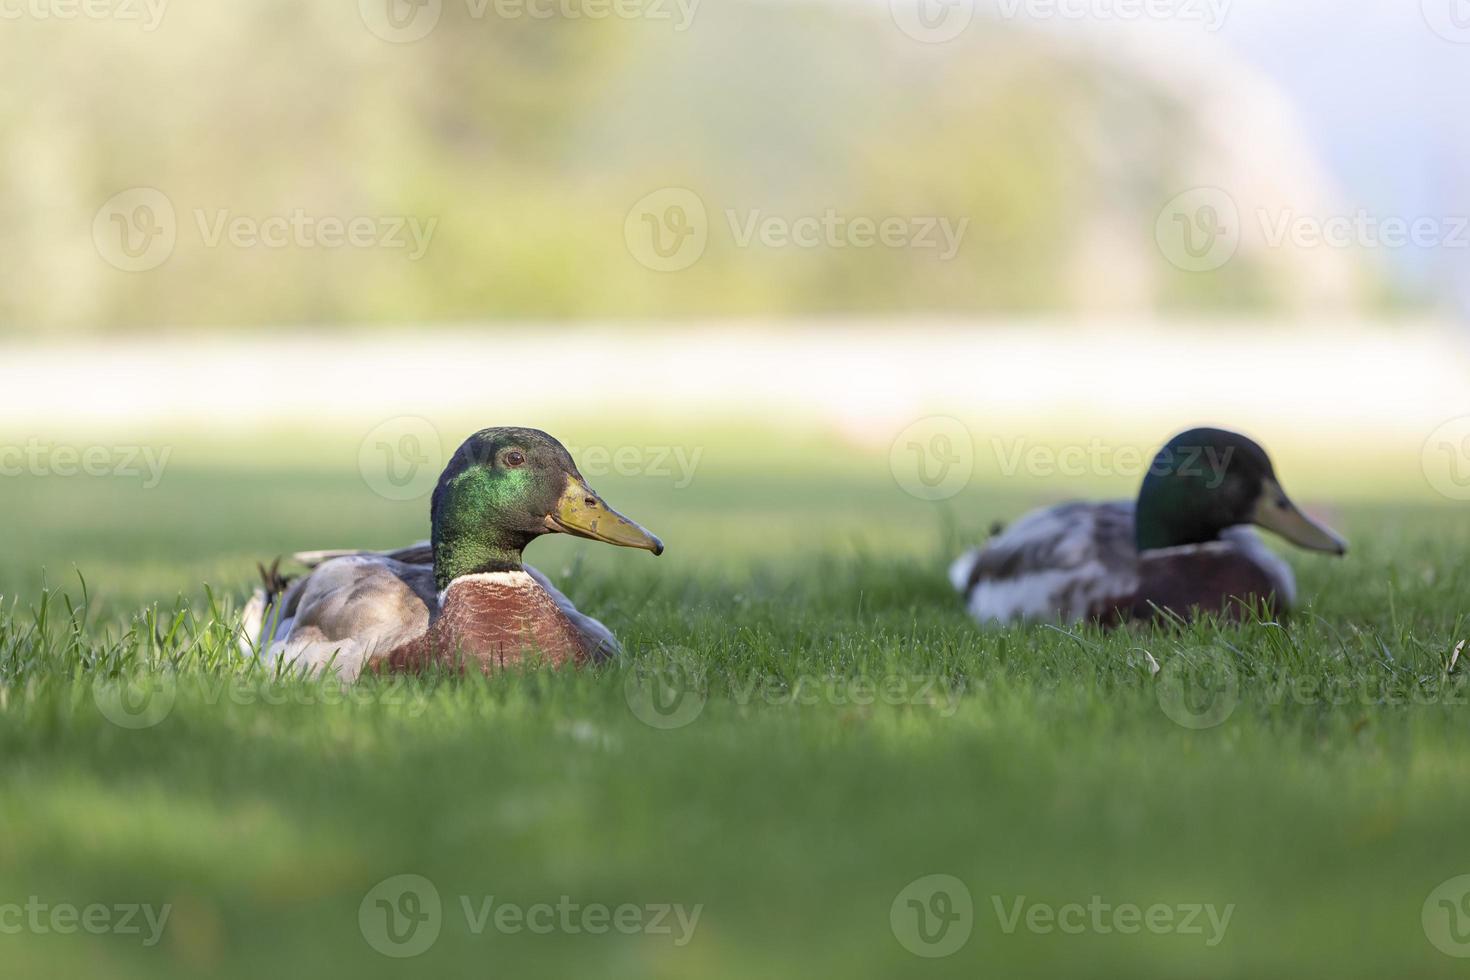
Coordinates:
[515,458]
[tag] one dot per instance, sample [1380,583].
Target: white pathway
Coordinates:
[1349,382]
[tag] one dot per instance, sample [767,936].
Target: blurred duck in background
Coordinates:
[1183,549]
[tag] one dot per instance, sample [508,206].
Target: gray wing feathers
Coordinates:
[349,611]
[362,604]
[1057,564]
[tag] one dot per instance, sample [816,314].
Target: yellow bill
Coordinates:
[1275,512]
[583,513]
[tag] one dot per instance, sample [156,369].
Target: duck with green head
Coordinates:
[1183,548]
[463,597]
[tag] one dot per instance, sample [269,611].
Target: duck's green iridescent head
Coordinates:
[504,488]
[1205,480]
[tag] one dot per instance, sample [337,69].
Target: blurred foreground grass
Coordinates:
[1037,763]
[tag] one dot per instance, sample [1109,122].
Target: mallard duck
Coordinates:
[1183,548]
[462,597]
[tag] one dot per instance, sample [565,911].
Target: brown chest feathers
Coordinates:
[493,621]
[1220,581]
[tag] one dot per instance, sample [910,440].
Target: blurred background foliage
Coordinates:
[529,141]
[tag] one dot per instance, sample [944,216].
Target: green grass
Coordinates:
[1037,763]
